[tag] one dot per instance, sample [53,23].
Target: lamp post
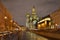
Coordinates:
[11,21]
[5,19]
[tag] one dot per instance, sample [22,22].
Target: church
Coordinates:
[31,20]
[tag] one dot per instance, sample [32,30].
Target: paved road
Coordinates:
[23,35]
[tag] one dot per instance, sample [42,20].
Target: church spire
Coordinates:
[33,10]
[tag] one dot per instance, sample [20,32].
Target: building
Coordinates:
[51,21]
[5,18]
[44,23]
[56,17]
[32,19]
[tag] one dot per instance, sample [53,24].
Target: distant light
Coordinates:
[52,27]
[11,20]
[5,17]
[39,25]
[56,24]
[16,29]
[14,23]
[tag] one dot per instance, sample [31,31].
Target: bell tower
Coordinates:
[34,15]
[33,10]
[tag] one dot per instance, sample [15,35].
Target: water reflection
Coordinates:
[31,36]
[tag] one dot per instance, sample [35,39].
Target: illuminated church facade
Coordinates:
[31,20]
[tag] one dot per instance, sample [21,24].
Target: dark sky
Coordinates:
[18,8]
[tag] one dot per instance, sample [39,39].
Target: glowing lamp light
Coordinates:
[39,25]
[5,17]
[56,24]
[14,23]
[11,20]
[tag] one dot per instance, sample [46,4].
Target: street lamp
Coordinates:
[11,21]
[5,18]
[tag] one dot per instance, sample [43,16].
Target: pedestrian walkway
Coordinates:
[51,35]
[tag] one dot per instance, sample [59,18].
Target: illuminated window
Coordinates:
[39,26]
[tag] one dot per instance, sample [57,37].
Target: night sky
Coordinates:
[18,8]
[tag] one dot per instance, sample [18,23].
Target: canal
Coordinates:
[26,35]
